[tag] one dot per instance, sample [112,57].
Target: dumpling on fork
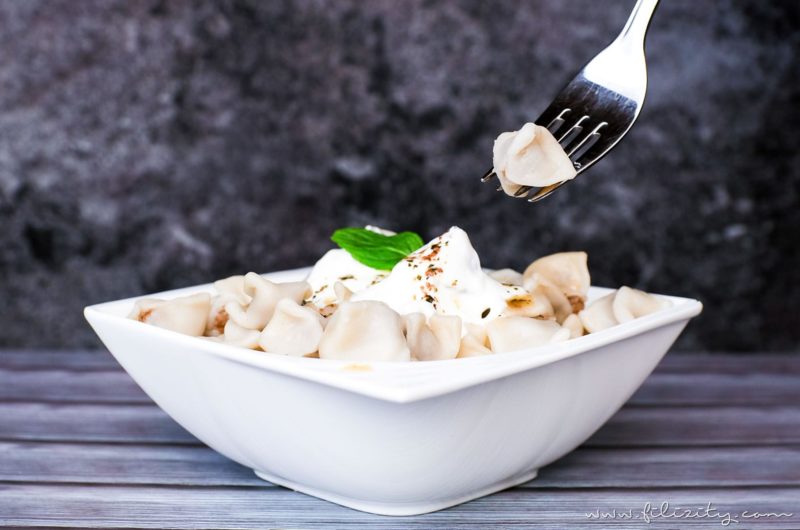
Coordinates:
[532,157]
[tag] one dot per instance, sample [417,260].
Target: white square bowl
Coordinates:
[391,438]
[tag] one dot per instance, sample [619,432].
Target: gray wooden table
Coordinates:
[82,446]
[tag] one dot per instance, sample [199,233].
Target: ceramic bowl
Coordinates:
[391,438]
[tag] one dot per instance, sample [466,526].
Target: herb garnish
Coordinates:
[377,250]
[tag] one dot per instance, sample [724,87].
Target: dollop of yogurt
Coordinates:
[443,277]
[338,265]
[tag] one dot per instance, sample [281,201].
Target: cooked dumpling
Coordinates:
[517,333]
[217,316]
[599,315]
[233,287]
[343,294]
[265,296]
[434,339]
[541,287]
[187,314]
[472,347]
[236,335]
[633,303]
[364,331]
[622,305]
[507,276]
[474,343]
[568,271]
[530,156]
[574,325]
[229,290]
[292,330]
[525,304]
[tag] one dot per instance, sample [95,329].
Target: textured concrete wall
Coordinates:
[147,145]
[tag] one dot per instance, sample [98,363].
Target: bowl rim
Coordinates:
[397,382]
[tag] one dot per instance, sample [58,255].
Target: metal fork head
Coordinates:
[598,107]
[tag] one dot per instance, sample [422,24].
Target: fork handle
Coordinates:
[636,28]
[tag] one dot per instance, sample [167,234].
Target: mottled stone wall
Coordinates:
[147,145]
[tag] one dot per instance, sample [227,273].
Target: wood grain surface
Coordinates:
[82,446]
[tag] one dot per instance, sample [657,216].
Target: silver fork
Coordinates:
[597,108]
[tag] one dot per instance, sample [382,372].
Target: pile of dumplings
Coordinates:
[253,312]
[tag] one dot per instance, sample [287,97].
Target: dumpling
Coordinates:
[568,271]
[525,304]
[599,315]
[217,316]
[622,305]
[530,156]
[516,333]
[434,339]
[292,330]
[633,303]
[187,314]
[343,294]
[540,287]
[507,276]
[364,331]
[265,296]
[230,289]
[233,287]
[574,325]
[473,344]
[236,335]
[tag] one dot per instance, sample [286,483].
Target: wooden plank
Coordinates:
[661,388]
[89,422]
[665,426]
[84,360]
[121,464]
[731,364]
[632,426]
[66,386]
[648,467]
[138,507]
[584,468]
[665,388]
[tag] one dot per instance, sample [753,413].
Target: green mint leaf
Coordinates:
[377,250]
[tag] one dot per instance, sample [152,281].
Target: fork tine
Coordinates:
[544,192]
[572,133]
[586,143]
[558,121]
[488,176]
[522,191]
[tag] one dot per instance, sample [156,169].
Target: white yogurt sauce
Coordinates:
[444,277]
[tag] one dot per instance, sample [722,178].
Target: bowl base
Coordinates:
[398,508]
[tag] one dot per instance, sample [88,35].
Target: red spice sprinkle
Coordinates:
[433,253]
[432,271]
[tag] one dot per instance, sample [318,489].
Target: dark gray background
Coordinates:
[146,145]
